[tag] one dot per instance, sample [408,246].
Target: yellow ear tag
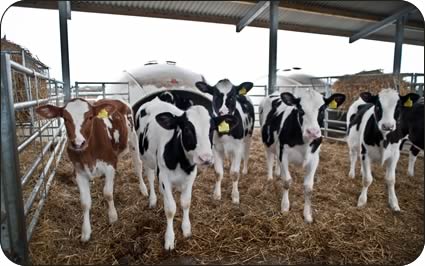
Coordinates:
[242,91]
[223,127]
[333,104]
[102,114]
[408,103]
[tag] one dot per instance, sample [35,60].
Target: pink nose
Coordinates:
[313,133]
[77,146]
[387,127]
[206,159]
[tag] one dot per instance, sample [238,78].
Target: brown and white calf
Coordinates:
[97,135]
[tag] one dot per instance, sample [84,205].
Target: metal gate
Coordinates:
[24,185]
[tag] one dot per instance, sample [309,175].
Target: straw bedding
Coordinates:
[253,233]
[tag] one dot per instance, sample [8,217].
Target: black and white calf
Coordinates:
[290,130]
[374,131]
[173,142]
[229,99]
[412,125]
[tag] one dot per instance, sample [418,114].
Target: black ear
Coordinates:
[409,99]
[166,96]
[166,120]
[289,99]
[204,87]
[244,88]
[229,119]
[335,100]
[368,97]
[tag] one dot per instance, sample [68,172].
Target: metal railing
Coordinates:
[95,90]
[45,139]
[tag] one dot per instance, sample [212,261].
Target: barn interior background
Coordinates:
[35,224]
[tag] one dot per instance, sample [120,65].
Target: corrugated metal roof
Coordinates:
[340,18]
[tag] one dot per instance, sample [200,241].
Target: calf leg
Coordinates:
[108,193]
[185,199]
[308,186]
[412,159]
[287,180]
[353,159]
[218,166]
[366,180]
[85,198]
[390,180]
[170,211]
[247,145]
[137,163]
[270,162]
[234,173]
[151,178]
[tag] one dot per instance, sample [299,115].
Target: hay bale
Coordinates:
[18,80]
[372,81]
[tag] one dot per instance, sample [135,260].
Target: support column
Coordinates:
[274,23]
[399,37]
[64,15]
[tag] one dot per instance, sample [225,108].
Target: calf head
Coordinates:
[387,105]
[180,102]
[310,107]
[195,126]
[224,95]
[78,115]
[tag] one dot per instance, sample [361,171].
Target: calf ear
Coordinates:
[409,99]
[368,97]
[166,120]
[230,120]
[244,88]
[335,100]
[204,87]
[49,111]
[103,110]
[289,99]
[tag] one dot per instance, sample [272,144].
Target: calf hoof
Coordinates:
[361,202]
[216,194]
[395,207]
[152,204]
[269,178]
[85,237]
[144,190]
[169,245]
[411,173]
[308,219]
[245,171]
[235,200]
[187,233]
[351,175]
[113,216]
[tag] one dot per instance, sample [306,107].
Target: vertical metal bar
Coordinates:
[103,90]
[274,21]
[128,90]
[16,244]
[76,89]
[399,38]
[327,92]
[63,25]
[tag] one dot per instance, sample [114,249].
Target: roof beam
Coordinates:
[252,14]
[380,25]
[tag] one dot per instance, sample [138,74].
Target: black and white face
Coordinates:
[224,95]
[387,106]
[310,106]
[194,125]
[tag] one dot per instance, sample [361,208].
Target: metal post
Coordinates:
[64,7]
[398,48]
[13,232]
[274,21]
[103,90]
